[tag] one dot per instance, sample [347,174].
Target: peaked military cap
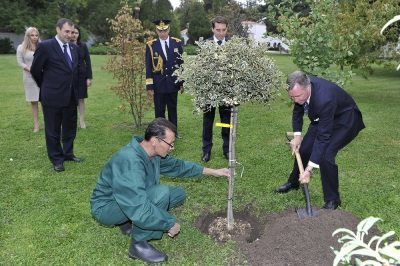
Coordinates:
[162,24]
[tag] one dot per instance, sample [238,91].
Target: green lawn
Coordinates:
[45,217]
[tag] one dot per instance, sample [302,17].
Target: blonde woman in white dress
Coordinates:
[25,53]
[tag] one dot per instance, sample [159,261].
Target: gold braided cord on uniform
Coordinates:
[159,66]
[160,61]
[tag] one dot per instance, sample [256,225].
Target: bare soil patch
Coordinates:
[281,238]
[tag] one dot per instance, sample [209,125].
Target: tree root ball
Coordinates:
[246,227]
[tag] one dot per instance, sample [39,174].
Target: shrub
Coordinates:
[234,73]
[6,46]
[128,62]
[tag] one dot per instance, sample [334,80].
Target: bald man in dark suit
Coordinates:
[55,70]
[335,122]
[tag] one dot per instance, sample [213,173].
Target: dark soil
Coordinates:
[281,238]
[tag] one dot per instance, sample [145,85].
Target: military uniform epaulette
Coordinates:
[176,39]
[151,41]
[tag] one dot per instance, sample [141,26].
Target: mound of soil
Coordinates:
[282,238]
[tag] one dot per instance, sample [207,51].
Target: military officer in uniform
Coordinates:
[163,57]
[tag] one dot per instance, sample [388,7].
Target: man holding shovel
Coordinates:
[335,122]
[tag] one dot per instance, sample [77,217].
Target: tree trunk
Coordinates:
[232,165]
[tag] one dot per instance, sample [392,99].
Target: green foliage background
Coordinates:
[45,216]
[342,34]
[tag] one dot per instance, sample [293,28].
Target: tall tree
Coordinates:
[183,12]
[218,6]
[94,17]
[15,16]
[235,14]
[336,33]
[273,9]
[199,24]
[358,42]
[151,10]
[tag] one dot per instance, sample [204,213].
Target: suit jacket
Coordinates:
[159,69]
[330,108]
[84,62]
[57,81]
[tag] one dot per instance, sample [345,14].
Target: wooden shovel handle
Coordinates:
[299,161]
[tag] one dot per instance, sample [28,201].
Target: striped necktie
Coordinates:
[166,50]
[67,56]
[306,106]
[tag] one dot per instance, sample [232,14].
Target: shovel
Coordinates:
[308,211]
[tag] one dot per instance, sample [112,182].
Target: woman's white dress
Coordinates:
[31,88]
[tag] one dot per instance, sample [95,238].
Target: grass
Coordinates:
[45,216]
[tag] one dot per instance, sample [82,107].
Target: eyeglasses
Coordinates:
[171,146]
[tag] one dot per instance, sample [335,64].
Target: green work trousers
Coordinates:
[162,196]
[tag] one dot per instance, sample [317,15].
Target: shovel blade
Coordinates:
[303,213]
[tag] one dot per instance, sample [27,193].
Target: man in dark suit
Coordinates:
[55,68]
[219,29]
[163,57]
[335,122]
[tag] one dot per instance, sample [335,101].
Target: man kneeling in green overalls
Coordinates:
[128,192]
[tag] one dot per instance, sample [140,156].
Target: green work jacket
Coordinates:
[127,176]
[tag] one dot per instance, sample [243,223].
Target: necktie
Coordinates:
[306,106]
[219,42]
[166,50]
[67,56]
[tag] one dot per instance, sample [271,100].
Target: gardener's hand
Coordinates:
[217,172]
[182,89]
[150,92]
[174,230]
[295,143]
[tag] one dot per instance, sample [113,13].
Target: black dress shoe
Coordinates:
[126,228]
[285,188]
[331,204]
[206,156]
[226,155]
[59,167]
[73,159]
[146,252]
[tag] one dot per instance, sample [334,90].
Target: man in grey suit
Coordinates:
[335,120]
[55,70]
